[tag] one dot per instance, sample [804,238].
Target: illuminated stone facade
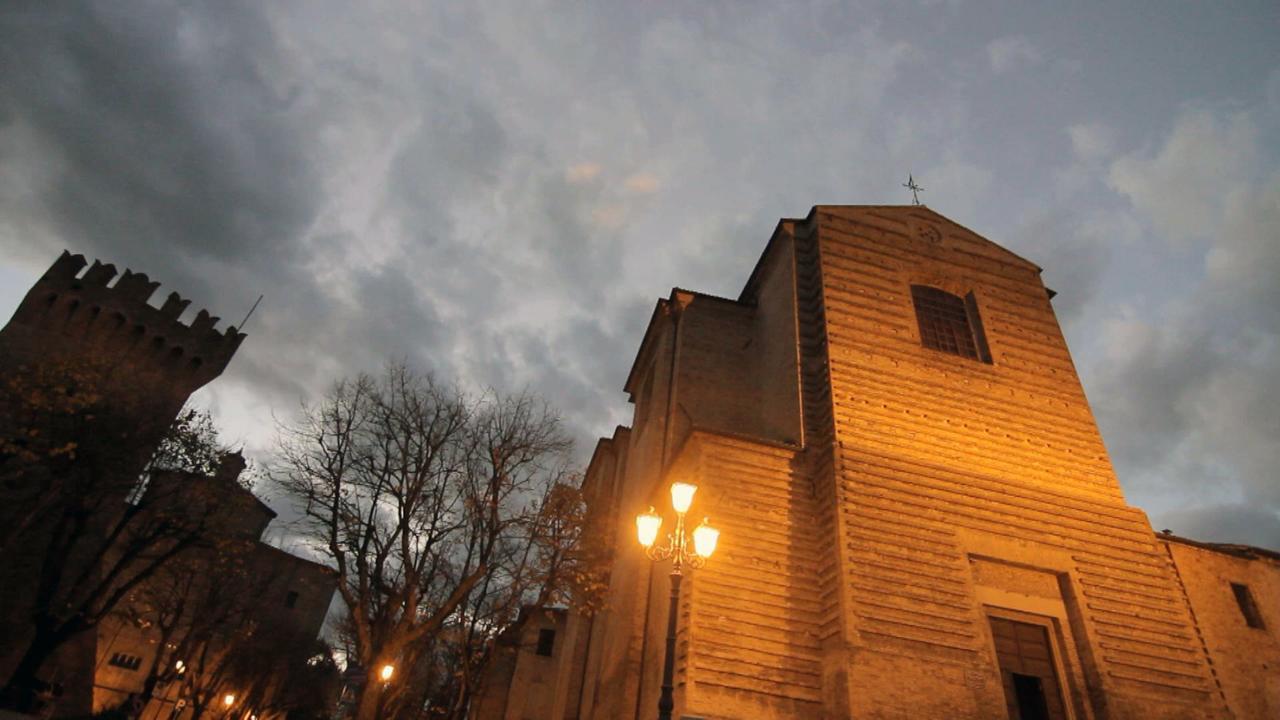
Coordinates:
[919,516]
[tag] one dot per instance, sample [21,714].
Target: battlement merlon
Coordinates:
[79,303]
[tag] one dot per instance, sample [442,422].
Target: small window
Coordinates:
[950,323]
[546,642]
[291,600]
[123,660]
[1248,608]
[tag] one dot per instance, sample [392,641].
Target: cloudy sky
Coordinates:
[499,192]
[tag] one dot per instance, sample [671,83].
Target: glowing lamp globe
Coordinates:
[228,699]
[704,539]
[386,672]
[647,525]
[682,496]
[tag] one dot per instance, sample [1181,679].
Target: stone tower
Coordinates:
[919,516]
[72,315]
[75,334]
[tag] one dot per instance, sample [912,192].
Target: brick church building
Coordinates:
[919,517]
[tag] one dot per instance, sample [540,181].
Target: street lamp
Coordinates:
[677,550]
[386,672]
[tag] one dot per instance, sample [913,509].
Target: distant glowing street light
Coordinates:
[179,667]
[229,699]
[678,551]
[386,672]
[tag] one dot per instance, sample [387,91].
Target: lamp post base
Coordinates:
[666,702]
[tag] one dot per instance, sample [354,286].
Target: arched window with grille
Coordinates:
[950,323]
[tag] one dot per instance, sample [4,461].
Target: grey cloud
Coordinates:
[397,184]
[161,135]
[1223,523]
[166,146]
[1191,400]
[1180,188]
[1010,52]
[1073,255]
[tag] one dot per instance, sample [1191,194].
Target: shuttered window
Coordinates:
[1248,608]
[949,323]
[126,661]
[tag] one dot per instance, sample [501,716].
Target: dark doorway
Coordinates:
[546,642]
[1028,692]
[1032,690]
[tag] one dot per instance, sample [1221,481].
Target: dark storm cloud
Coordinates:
[182,143]
[164,139]
[500,193]
[159,128]
[178,141]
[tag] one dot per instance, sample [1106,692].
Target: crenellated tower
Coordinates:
[77,315]
[91,377]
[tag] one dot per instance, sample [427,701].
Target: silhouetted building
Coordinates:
[152,360]
[919,516]
[76,333]
[236,594]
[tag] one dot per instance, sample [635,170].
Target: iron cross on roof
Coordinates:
[915,189]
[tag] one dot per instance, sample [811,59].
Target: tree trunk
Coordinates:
[371,697]
[21,692]
[148,691]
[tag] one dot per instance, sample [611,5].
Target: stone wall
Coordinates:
[1246,659]
[906,532]
[942,461]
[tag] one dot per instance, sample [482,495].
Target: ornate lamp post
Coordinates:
[677,550]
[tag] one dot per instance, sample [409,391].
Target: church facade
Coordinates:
[919,517]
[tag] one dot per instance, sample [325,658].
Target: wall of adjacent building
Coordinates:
[1246,660]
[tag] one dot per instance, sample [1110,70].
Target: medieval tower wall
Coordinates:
[78,334]
[77,316]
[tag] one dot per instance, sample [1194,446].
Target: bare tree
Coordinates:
[430,505]
[198,609]
[543,571]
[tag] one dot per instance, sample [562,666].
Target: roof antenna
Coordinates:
[246,315]
[915,189]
